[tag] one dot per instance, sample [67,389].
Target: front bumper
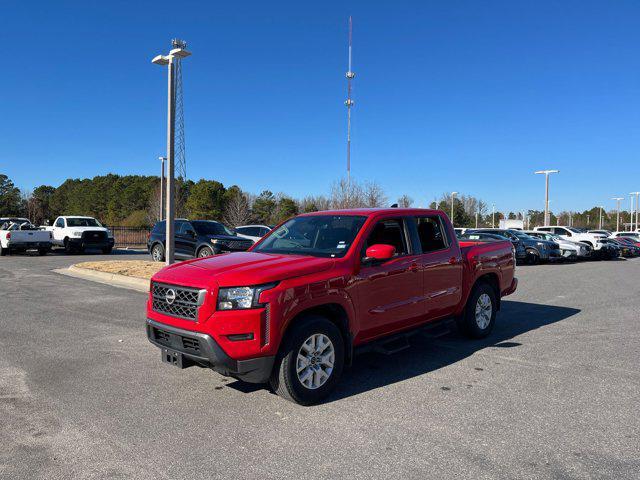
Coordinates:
[81,243]
[201,349]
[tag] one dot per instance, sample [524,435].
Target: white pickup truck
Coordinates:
[19,235]
[570,233]
[76,233]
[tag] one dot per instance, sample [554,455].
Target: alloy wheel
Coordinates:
[484,311]
[314,364]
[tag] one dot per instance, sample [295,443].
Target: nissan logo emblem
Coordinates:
[170,296]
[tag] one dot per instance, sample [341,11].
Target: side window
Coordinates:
[431,233]
[252,231]
[562,231]
[60,223]
[182,228]
[389,232]
[263,231]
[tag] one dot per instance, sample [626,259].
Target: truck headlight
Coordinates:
[241,298]
[109,234]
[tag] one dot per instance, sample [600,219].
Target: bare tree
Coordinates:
[346,194]
[237,211]
[314,204]
[153,210]
[405,201]
[374,196]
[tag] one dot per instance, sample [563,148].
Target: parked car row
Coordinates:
[73,233]
[553,243]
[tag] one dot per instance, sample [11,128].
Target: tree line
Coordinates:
[134,201]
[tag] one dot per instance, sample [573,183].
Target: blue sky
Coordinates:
[467,96]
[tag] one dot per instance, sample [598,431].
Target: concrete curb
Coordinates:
[114,279]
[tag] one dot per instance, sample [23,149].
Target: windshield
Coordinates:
[83,222]
[208,227]
[317,235]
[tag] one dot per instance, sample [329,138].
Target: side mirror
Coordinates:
[380,251]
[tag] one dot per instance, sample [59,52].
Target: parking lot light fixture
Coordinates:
[546,192]
[618,200]
[600,223]
[453,196]
[168,61]
[493,215]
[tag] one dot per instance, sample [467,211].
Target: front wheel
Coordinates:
[67,246]
[205,252]
[310,362]
[3,251]
[43,251]
[533,257]
[480,312]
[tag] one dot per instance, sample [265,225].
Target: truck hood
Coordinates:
[241,269]
[85,229]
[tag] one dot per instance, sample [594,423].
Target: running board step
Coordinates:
[392,346]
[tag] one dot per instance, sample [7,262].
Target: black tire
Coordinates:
[107,250]
[533,257]
[468,323]
[3,251]
[205,252]
[285,380]
[43,251]
[67,246]
[157,253]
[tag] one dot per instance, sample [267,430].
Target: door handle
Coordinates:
[413,267]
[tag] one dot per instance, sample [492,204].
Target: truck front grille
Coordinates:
[180,302]
[94,236]
[237,244]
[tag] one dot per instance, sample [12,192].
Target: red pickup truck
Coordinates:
[292,309]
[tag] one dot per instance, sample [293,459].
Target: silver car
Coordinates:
[570,250]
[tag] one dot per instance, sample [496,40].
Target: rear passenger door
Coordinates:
[389,292]
[441,266]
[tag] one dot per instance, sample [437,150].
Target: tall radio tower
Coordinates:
[180,158]
[349,103]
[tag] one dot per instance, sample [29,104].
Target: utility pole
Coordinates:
[493,215]
[169,61]
[637,211]
[349,103]
[162,186]
[618,199]
[588,221]
[476,218]
[453,196]
[546,173]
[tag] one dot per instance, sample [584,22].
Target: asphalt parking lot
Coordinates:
[554,392]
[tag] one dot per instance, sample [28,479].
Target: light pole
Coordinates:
[618,199]
[493,215]
[588,216]
[169,61]
[600,224]
[162,186]
[637,209]
[546,192]
[453,196]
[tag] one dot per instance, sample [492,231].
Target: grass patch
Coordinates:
[130,268]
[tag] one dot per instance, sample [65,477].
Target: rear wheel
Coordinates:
[107,250]
[157,253]
[3,251]
[310,362]
[43,251]
[205,252]
[480,312]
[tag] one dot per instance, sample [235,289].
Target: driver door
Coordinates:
[389,293]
